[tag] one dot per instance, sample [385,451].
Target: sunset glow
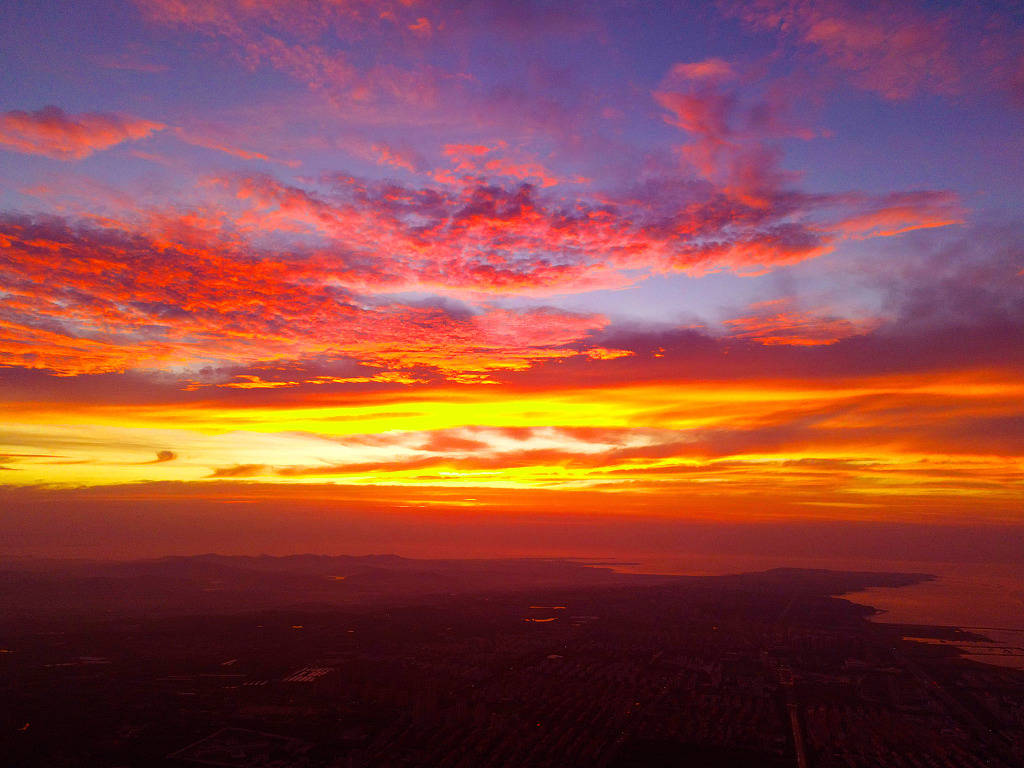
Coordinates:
[731,261]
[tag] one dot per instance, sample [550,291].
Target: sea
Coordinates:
[986,599]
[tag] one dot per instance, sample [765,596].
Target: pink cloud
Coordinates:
[311,41]
[209,139]
[731,133]
[52,132]
[474,161]
[387,154]
[708,69]
[902,212]
[421,27]
[897,50]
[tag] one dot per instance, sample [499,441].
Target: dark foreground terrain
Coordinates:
[311,661]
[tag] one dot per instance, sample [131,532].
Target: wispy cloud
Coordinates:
[898,51]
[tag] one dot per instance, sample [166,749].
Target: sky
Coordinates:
[353,275]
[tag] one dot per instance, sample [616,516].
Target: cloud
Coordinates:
[708,69]
[220,284]
[473,162]
[312,41]
[515,239]
[387,154]
[53,133]
[900,212]
[446,442]
[731,124]
[83,300]
[208,141]
[89,301]
[853,442]
[777,322]
[422,27]
[134,58]
[239,471]
[14,458]
[897,51]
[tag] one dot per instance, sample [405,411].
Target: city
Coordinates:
[759,669]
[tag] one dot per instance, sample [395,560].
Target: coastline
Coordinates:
[967,600]
[979,611]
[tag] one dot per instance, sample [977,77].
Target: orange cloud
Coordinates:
[776,323]
[239,470]
[52,132]
[601,353]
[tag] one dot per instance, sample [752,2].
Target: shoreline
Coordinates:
[999,646]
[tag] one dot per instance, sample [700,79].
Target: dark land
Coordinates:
[313,661]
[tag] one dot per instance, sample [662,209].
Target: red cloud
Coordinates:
[53,133]
[216,284]
[492,239]
[99,300]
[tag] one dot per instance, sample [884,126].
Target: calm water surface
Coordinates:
[985,597]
